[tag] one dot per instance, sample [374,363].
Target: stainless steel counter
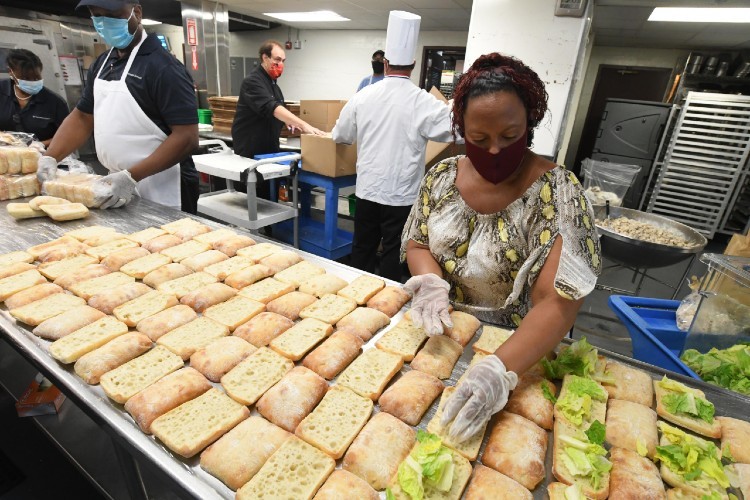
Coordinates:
[187,474]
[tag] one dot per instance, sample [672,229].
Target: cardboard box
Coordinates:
[321,114]
[323,156]
[40,398]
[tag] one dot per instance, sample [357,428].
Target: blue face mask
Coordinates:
[31,87]
[114,30]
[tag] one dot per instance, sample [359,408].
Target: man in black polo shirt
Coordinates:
[139,102]
[26,105]
[260,109]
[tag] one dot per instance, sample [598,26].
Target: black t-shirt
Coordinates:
[159,83]
[255,130]
[42,115]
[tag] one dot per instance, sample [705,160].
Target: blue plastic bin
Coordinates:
[653,330]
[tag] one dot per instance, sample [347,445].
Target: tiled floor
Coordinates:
[48,473]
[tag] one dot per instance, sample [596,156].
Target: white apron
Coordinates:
[125,135]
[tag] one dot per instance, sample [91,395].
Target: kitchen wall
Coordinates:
[174,34]
[331,63]
[617,56]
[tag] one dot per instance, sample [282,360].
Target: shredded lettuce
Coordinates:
[585,459]
[579,358]
[429,464]
[580,393]
[547,392]
[729,368]
[389,494]
[596,432]
[696,460]
[574,492]
[640,446]
[683,401]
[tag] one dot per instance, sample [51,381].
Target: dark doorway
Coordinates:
[441,68]
[625,82]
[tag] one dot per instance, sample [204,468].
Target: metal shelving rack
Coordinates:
[705,166]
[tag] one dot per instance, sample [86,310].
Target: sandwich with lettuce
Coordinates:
[582,401]
[580,460]
[430,472]
[579,358]
[686,407]
[691,464]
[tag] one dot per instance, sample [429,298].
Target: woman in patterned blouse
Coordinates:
[501,233]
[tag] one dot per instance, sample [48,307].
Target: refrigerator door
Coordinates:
[631,128]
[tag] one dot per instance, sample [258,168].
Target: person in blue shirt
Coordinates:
[378,70]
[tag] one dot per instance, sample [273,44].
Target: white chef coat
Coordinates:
[391,123]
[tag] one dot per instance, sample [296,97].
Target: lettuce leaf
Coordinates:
[729,368]
[430,463]
[574,492]
[694,459]
[585,459]
[596,432]
[574,408]
[682,401]
[547,392]
[579,358]
[582,385]
[389,494]
[410,478]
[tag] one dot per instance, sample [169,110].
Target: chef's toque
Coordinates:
[401,39]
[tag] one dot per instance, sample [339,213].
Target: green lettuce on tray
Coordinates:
[728,368]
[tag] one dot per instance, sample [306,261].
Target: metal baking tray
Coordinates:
[187,472]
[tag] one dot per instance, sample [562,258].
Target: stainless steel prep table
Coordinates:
[138,215]
[187,474]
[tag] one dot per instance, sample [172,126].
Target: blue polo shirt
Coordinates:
[42,115]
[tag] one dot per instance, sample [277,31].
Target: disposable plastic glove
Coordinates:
[117,189]
[482,393]
[47,169]
[429,303]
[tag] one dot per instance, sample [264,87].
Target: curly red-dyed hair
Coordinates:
[496,72]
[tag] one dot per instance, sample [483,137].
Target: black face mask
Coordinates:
[378,67]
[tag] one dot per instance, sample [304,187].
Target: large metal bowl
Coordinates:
[644,254]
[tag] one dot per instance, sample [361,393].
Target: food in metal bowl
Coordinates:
[644,231]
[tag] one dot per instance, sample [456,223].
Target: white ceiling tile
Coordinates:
[431,4]
[444,14]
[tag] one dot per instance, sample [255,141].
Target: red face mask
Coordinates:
[497,167]
[275,70]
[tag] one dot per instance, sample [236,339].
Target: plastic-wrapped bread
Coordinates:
[21,186]
[18,160]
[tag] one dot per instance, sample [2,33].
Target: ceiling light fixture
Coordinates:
[701,14]
[149,22]
[317,16]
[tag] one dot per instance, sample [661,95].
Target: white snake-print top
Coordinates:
[491,260]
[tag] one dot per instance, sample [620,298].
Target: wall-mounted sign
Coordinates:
[192,32]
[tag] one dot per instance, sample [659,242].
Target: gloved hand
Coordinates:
[482,393]
[117,189]
[429,303]
[47,169]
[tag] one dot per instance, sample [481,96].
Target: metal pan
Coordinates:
[644,254]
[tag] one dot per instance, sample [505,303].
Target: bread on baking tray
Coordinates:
[292,398]
[334,354]
[165,321]
[240,453]
[231,245]
[254,375]
[370,373]
[282,477]
[410,396]
[220,356]
[130,378]
[195,424]
[378,450]
[92,365]
[66,323]
[164,395]
[336,421]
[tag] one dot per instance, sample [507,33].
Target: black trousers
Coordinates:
[189,194]
[373,222]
